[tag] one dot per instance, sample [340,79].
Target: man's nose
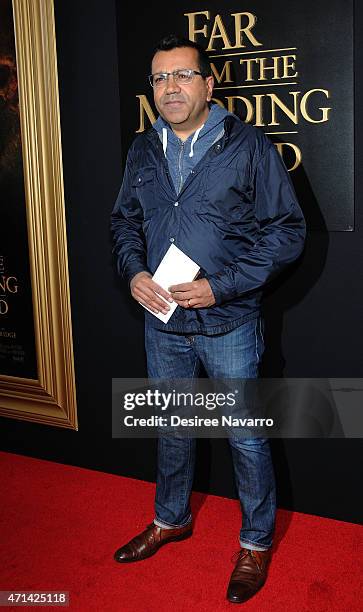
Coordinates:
[171,85]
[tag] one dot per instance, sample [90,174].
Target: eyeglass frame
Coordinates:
[192,74]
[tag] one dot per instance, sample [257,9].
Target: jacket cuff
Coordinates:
[222,291]
[134,268]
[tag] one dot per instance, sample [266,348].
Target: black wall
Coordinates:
[314,318]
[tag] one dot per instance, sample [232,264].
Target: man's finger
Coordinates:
[154,306]
[184,295]
[145,282]
[181,287]
[164,309]
[161,291]
[150,297]
[148,306]
[198,305]
[154,287]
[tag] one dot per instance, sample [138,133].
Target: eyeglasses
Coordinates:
[181,77]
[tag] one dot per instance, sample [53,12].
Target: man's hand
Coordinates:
[197,294]
[144,290]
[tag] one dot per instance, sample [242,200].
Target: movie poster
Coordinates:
[17,339]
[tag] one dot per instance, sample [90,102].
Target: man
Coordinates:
[216,188]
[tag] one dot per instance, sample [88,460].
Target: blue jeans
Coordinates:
[235,354]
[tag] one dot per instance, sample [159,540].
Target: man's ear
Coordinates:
[210,85]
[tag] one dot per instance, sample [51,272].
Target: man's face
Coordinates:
[184,106]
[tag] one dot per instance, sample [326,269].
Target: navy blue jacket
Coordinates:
[237,217]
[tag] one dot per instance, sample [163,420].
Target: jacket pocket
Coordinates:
[225,194]
[144,183]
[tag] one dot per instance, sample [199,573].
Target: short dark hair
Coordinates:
[172,41]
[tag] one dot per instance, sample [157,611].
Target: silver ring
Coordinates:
[189,303]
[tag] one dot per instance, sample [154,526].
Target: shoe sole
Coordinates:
[239,600]
[184,536]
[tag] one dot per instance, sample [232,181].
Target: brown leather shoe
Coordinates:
[249,574]
[149,541]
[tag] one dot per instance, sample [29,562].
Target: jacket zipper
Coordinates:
[164,161]
[193,172]
[180,165]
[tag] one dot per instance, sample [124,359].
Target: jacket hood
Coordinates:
[215,118]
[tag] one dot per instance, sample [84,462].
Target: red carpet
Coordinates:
[60,525]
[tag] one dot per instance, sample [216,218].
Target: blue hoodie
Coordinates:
[181,155]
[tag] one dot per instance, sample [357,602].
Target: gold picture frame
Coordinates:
[51,399]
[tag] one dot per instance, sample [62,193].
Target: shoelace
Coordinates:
[245,552]
[237,556]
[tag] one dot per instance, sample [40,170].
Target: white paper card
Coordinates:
[175,268]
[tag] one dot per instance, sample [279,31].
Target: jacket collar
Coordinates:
[229,122]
